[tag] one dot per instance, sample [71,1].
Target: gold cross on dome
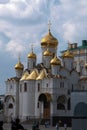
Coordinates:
[32,47]
[49,25]
[19,56]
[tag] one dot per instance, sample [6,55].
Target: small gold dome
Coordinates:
[31,55]
[47,53]
[68,54]
[25,75]
[19,66]
[55,61]
[49,41]
[33,75]
[42,75]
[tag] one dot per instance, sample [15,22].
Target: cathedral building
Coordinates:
[43,90]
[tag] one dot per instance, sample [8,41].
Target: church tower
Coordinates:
[31,60]
[19,69]
[47,56]
[55,65]
[48,43]
[68,58]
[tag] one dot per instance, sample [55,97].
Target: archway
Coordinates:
[9,97]
[80,109]
[45,98]
[9,106]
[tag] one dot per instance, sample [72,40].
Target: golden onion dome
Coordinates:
[33,75]
[47,53]
[68,54]
[42,75]
[25,75]
[55,61]
[49,40]
[19,66]
[31,55]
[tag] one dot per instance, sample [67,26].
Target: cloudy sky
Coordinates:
[23,22]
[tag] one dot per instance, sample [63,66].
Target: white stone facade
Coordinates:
[43,91]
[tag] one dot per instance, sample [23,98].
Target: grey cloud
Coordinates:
[4,1]
[24,15]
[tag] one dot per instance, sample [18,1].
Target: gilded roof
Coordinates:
[42,75]
[33,75]
[68,54]
[55,61]
[47,53]
[19,65]
[49,41]
[31,55]
[25,75]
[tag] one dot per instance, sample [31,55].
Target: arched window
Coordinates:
[10,106]
[60,106]
[61,101]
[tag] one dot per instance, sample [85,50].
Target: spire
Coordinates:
[49,25]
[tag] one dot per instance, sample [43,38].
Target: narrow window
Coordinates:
[47,84]
[38,105]
[33,64]
[61,84]
[11,87]
[69,104]
[25,87]
[38,87]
